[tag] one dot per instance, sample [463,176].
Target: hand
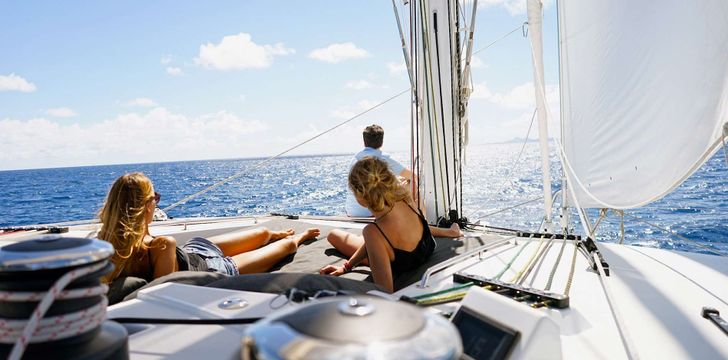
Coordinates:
[455,230]
[332,270]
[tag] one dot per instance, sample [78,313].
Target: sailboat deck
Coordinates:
[649,293]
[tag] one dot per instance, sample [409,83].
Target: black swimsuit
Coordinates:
[408,260]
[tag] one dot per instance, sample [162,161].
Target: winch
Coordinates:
[52,300]
[352,327]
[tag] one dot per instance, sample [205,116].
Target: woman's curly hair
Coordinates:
[371,180]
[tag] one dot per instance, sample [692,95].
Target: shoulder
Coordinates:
[163,242]
[371,232]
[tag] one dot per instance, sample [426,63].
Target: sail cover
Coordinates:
[644,88]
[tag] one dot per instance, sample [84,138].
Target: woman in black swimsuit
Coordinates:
[399,240]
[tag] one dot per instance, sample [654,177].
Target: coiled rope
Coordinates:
[35,330]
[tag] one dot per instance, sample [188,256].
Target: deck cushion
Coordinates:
[279,282]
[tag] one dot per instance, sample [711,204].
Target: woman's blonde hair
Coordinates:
[371,180]
[123,219]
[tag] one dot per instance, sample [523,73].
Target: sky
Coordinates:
[92,83]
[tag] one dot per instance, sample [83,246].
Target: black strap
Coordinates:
[131,320]
[385,235]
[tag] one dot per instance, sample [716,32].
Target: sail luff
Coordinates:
[437,72]
[535,14]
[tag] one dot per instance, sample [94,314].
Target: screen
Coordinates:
[483,339]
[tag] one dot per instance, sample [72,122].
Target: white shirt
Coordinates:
[352,207]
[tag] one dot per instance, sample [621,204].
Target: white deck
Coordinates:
[657,298]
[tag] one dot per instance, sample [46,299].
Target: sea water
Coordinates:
[495,181]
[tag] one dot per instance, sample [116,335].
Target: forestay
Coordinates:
[644,90]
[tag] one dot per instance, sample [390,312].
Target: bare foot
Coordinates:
[311,233]
[277,235]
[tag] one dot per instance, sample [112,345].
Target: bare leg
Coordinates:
[346,243]
[238,242]
[262,259]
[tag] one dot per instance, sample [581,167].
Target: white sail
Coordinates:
[437,111]
[644,89]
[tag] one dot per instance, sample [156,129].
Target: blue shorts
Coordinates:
[214,258]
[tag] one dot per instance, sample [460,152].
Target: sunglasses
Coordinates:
[157,197]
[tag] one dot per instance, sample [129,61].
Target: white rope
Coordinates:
[37,329]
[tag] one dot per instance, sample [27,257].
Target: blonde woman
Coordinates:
[125,218]
[399,240]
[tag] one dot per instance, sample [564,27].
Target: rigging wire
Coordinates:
[510,207]
[263,162]
[515,161]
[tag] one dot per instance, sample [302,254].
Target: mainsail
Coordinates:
[439,105]
[644,88]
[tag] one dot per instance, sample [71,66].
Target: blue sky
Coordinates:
[87,82]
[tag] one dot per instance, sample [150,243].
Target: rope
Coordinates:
[547,249]
[528,263]
[499,39]
[263,162]
[570,280]
[556,266]
[37,329]
[508,265]
[706,248]
[436,293]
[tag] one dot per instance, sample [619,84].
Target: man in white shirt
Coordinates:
[373,139]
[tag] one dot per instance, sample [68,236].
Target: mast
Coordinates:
[440,105]
[535,15]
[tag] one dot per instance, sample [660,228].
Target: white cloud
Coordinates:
[347,112]
[166,60]
[174,71]
[127,138]
[141,102]
[342,113]
[336,53]
[235,52]
[481,91]
[359,85]
[520,97]
[514,7]
[396,69]
[62,112]
[14,82]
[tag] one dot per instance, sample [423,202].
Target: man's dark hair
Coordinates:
[373,136]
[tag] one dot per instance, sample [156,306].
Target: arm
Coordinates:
[162,252]
[453,232]
[359,255]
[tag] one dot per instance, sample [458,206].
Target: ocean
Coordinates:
[494,183]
